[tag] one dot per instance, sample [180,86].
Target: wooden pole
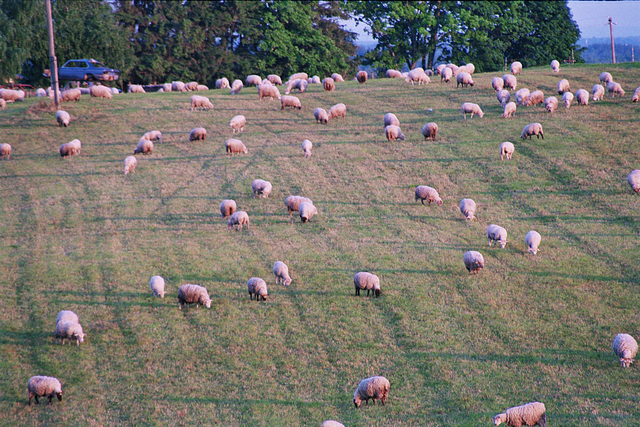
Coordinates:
[53,61]
[613,49]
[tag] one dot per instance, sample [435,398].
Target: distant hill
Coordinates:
[598,50]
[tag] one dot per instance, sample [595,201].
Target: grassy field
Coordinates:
[78,234]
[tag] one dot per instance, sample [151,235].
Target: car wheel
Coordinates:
[91,78]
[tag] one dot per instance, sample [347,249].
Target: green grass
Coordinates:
[77,234]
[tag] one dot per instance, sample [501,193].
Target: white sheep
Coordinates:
[361,76]
[469,107]
[497,83]
[468,209]
[563,86]
[393,74]
[393,132]
[328,84]
[506,150]
[509,110]
[3,104]
[238,219]
[372,388]
[532,129]
[299,84]
[536,97]
[605,78]
[315,80]
[293,203]
[42,386]
[582,97]
[337,78]
[532,240]
[70,148]
[430,194]
[464,79]
[551,104]
[197,134]
[510,81]
[299,76]
[237,123]
[614,88]
[453,68]
[144,146]
[503,97]
[331,423]
[235,146]
[417,75]
[366,281]
[495,233]
[202,88]
[555,66]
[153,135]
[200,102]
[227,208]
[157,286]
[634,180]
[193,294]
[521,96]
[10,95]
[470,68]
[5,150]
[290,101]
[274,79]
[178,86]
[473,261]
[222,83]
[598,92]
[68,330]
[338,110]
[516,68]
[321,115]
[529,414]
[63,118]
[306,148]
[67,316]
[391,119]
[626,348]
[71,95]
[41,92]
[130,164]
[258,287]
[430,130]
[236,87]
[135,89]
[567,97]
[268,91]
[281,271]
[446,75]
[636,95]
[98,91]
[307,210]
[261,188]
[166,87]
[191,86]
[253,80]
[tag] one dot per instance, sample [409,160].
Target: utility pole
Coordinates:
[613,49]
[53,61]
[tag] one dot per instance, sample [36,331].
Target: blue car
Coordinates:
[87,69]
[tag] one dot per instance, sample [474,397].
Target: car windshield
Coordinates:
[98,64]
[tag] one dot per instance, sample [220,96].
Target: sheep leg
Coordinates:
[36,397]
[357,292]
[50,396]
[422,200]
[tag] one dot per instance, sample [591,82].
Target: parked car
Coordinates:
[87,69]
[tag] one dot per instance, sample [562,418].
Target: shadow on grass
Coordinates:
[242,402]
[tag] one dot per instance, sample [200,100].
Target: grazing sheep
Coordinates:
[253,80]
[393,74]
[281,271]
[516,68]
[331,423]
[469,107]
[506,150]
[236,87]
[321,115]
[532,239]
[417,75]
[258,287]
[470,68]
[261,187]
[41,93]
[300,76]
[71,95]
[473,261]
[509,110]
[268,91]
[468,209]
[136,89]
[582,97]
[529,414]
[446,75]
[238,219]
[362,76]
[338,110]
[555,66]
[551,104]
[153,135]
[166,87]
[191,86]
[510,81]
[605,78]
[440,68]
[274,79]
[197,134]
[532,129]
[626,348]
[328,84]
[177,86]
[144,146]
[337,78]
[200,102]
[293,203]
[290,101]
[598,92]
[521,96]
[393,132]
[130,164]
[366,281]
[10,95]
[70,148]
[41,386]
[636,95]
[157,286]
[307,210]
[63,118]
[235,146]
[464,79]
[227,208]
[68,330]
[453,68]
[299,84]
[5,150]
[567,97]
[391,119]
[634,180]
[201,88]
[67,316]
[98,91]
[497,83]
[430,130]
[372,388]
[3,104]
[563,86]
[503,97]
[306,148]
[222,83]
[315,80]
[614,88]
[430,194]
[237,123]
[495,233]
[193,294]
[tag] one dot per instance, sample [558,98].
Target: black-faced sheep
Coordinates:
[532,240]
[372,388]
[321,115]
[193,294]
[366,281]
[238,219]
[42,386]
[361,76]
[258,287]
[430,194]
[469,107]
[529,414]
[144,146]
[235,146]
[307,210]
[227,208]
[532,129]
[468,209]
[495,233]
[198,134]
[261,188]
[473,261]
[634,180]
[393,132]
[430,130]
[5,150]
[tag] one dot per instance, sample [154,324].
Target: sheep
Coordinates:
[63,118]
[393,74]
[516,68]
[634,180]
[393,132]
[506,150]
[452,67]
[473,261]
[222,83]
[495,233]
[178,86]
[268,91]
[521,96]
[166,87]
[529,414]
[636,95]
[281,271]
[430,194]
[555,66]
[567,97]
[306,148]
[532,240]
[293,203]
[197,134]
[337,78]
[605,78]
[315,80]
[430,130]
[362,76]
[10,95]
[331,423]
[238,219]
[468,209]
[261,187]
[193,294]
[598,92]
[446,75]
[274,79]
[258,287]
[98,91]
[563,86]
[157,286]
[41,386]
[532,129]
[464,79]
[328,84]
[3,104]
[67,316]
[136,89]
[191,86]
[5,150]
[201,88]
[509,110]
[469,107]
[307,210]
[68,330]
[321,115]
[144,146]
[470,68]
[626,348]
[551,104]
[130,164]
[71,95]
[417,75]
[299,84]
[440,68]
[614,88]
[200,102]
[503,97]
[290,101]
[41,92]
[497,83]
[338,110]
[153,135]
[235,146]
[510,81]
[227,208]
[236,87]
[237,123]
[582,97]
[391,119]
[300,76]
[70,148]
[371,388]
[366,281]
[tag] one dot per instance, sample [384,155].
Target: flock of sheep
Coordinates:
[68,326]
